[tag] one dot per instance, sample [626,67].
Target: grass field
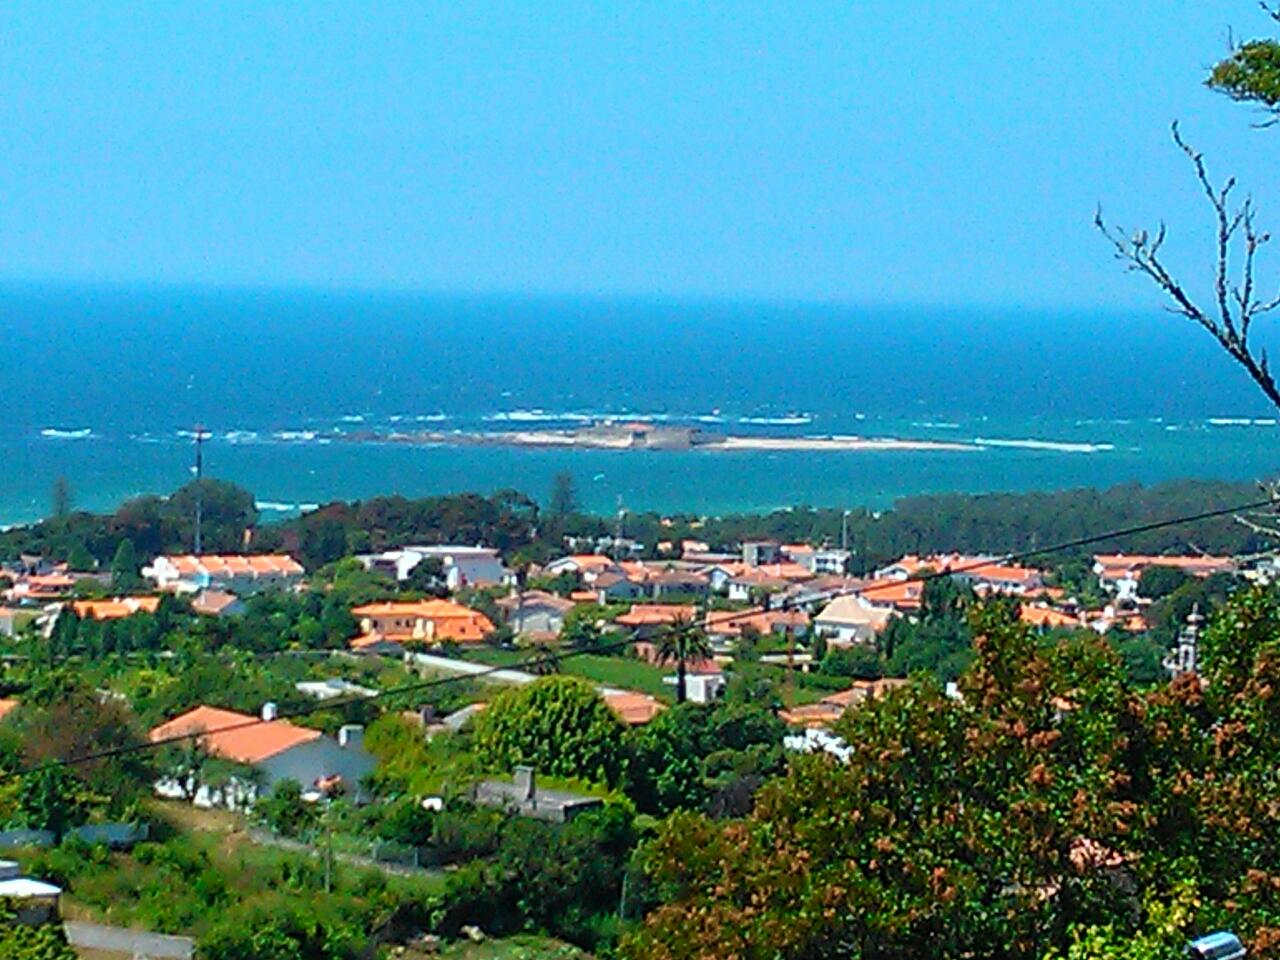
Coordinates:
[623,672]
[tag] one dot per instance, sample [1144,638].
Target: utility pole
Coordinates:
[844,530]
[199,474]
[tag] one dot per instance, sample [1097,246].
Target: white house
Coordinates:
[277,750]
[851,619]
[462,566]
[241,574]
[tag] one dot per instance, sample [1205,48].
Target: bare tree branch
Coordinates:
[1235,305]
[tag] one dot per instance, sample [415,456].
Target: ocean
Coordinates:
[103,386]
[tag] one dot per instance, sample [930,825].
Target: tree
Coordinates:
[284,810]
[1052,810]
[682,643]
[1252,73]
[22,941]
[125,575]
[60,498]
[693,756]
[564,497]
[558,725]
[80,560]
[52,799]
[1157,581]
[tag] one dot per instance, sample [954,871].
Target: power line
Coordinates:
[691,626]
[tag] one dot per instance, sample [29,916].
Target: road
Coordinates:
[133,943]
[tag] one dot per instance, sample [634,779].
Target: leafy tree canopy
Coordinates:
[558,725]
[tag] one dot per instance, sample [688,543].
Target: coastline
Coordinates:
[613,439]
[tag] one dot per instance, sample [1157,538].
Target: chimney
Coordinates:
[270,711]
[351,736]
[526,784]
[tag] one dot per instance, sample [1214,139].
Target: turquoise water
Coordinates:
[101,384]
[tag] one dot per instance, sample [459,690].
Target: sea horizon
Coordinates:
[1051,399]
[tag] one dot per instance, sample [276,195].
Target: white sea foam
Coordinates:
[1230,421]
[798,420]
[430,417]
[61,433]
[1053,445]
[279,507]
[351,418]
[936,425]
[240,436]
[293,436]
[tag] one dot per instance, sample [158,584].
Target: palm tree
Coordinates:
[682,643]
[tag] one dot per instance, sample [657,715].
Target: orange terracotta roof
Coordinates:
[588,561]
[248,744]
[651,614]
[862,690]
[907,594]
[726,623]
[812,715]
[785,571]
[7,706]
[116,609]
[1039,616]
[232,564]
[583,596]
[449,620]
[635,709]
[1119,563]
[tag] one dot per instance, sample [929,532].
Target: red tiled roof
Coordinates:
[116,609]
[635,709]
[248,744]
[651,614]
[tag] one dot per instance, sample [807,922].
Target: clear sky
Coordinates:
[875,151]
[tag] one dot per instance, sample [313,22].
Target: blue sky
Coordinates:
[874,151]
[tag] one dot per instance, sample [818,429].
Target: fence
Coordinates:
[117,836]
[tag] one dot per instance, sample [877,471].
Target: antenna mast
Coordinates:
[199,474]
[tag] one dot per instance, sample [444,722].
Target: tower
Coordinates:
[1185,655]
[198,471]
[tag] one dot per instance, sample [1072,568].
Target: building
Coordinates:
[758,552]
[460,566]
[1119,574]
[904,596]
[584,565]
[820,561]
[634,709]
[41,588]
[8,621]
[852,619]
[752,584]
[277,750]
[611,587]
[241,574]
[676,583]
[648,619]
[217,603]
[34,901]
[980,572]
[116,609]
[730,625]
[1044,617]
[423,621]
[831,708]
[535,611]
[523,796]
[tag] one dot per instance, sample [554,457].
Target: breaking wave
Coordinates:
[1053,445]
[61,433]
